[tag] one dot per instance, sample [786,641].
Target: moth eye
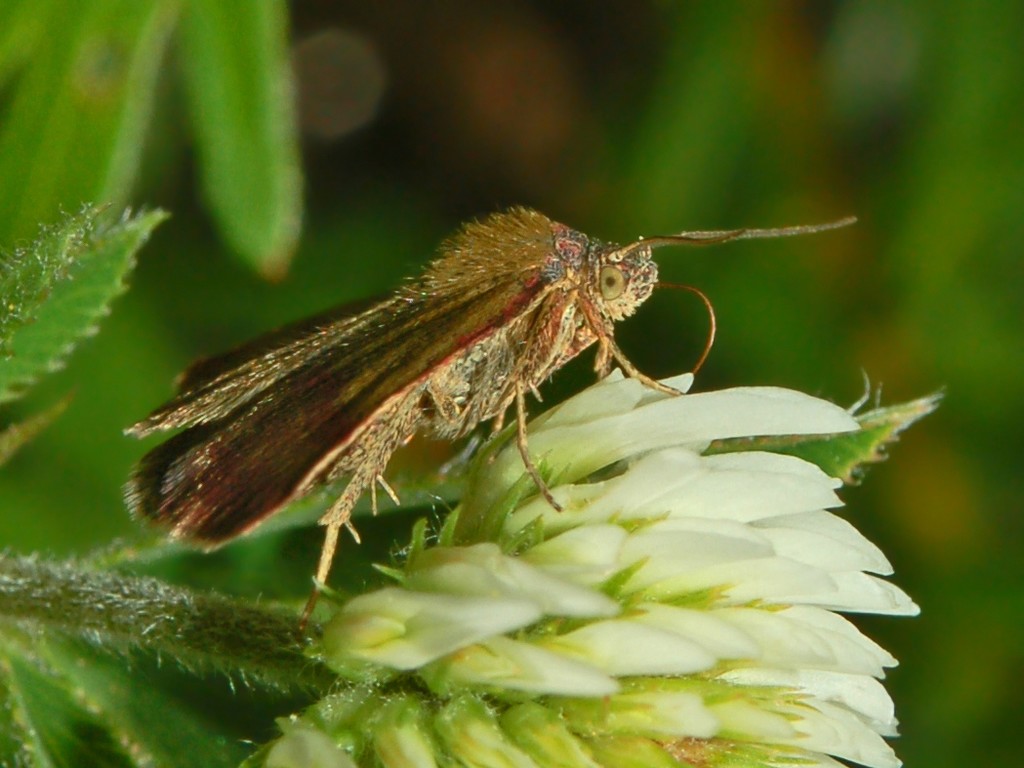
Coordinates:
[613,282]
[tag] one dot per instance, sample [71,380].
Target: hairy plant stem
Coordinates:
[121,612]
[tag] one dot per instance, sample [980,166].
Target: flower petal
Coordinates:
[654,713]
[716,634]
[753,721]
[837,731]
[543,734]
[469,730]
[623,647]
[581,446]
[825,540]
[802,638]
[771,579]
[303,746]
[676,481]
[400,735]
[482,570]
[587,555]
[859,693]
[507,663]
[613,395]
[405,630]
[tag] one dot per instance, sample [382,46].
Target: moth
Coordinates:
[508,301]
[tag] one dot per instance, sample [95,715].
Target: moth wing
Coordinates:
[213,387]
[206,370]
[222,475]
[493,263]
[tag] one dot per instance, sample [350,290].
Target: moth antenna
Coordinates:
[710,342]
[715,236]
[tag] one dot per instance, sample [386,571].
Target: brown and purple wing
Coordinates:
[256,428]
[208,370]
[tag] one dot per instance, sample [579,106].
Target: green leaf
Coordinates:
[73,305]
[12,746]
[238,75]
[28,275]
[74,128]
[68,703]
[16,435]
[842,455]
[145,712]
[882,426]
[51,723]
[22,23]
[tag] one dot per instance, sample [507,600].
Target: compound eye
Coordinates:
[613,282]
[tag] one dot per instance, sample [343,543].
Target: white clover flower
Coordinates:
[682,607]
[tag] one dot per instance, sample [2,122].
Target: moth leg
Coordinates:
[447,407]
[388,490]
[365,461]
[524,450]
[322,570]
[338,516]
[603,361]
[379,480]
[610,348]
[607,350]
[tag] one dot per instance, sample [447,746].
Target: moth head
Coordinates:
[623,278]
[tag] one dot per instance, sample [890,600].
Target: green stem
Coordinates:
[201,630]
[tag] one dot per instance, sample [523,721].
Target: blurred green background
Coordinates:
[330,146]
